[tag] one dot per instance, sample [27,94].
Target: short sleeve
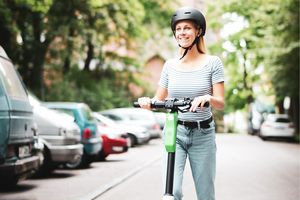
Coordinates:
[217,71]
[164,79]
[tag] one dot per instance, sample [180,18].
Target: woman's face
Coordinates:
[185,33]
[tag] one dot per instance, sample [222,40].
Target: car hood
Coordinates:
[111,131]
[131,128]
[47,119]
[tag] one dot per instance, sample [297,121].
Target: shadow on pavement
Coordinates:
[18,188]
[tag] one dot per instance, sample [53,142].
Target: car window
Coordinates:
[113,117]
[66,111]
[12,82]
[284,120]
[87,113]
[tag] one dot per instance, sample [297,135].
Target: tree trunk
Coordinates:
[38,51]
[280,107]
[294,113]
[90,55]
[5,38]
[249,98]
[67,61]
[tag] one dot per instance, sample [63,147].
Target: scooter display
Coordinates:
[173,106]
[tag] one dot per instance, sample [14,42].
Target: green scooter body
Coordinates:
[171,131]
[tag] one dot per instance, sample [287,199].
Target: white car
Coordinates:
[277,125]
[136,134]
[135,117]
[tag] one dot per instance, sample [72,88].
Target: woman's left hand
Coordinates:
[199,102]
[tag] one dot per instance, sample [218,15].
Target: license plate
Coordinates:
[117,149]
[24,151]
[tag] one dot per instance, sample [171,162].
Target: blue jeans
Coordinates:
[200,147]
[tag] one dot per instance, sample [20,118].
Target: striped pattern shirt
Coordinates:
[192,83]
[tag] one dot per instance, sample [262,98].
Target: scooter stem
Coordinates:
[170,174]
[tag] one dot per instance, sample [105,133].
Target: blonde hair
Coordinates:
[201,45]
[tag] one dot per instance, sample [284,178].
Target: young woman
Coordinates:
[199,76]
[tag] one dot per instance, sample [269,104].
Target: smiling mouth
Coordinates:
[183,39]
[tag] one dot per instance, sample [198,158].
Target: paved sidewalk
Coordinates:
[247,169]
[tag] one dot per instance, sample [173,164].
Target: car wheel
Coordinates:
[101,156]
[264,138]
[75,164]
[131,141]
[47,165]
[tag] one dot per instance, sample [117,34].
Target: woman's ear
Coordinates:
[199,32]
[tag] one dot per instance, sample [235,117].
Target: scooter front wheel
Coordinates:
[168,197]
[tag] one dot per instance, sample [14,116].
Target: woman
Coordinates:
[199,76]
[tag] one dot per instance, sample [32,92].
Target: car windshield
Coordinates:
[114,117]
[104,119]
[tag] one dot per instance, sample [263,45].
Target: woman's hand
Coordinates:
[199,102]
[145,102]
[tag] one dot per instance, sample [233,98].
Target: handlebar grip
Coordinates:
[152,105]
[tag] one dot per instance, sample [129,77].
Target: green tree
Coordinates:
[269,39]
[47,39]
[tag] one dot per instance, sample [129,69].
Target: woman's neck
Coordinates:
[192,55]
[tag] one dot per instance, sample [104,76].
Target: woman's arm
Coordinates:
[161,94]
[216,100]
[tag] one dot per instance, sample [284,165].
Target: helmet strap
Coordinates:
[188,48]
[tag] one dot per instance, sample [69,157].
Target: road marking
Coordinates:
[94,195]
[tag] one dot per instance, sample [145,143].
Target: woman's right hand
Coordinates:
[145,102]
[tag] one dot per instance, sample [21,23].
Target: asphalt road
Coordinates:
[247,168]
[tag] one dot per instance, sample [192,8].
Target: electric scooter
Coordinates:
[174,106]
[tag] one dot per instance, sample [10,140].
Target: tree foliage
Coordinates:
[267,46]
[79,50]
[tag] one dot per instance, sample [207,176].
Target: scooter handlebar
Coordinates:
[170,103]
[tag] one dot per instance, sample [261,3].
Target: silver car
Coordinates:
[135,117]
[60,135]
[136,134]
[277,125]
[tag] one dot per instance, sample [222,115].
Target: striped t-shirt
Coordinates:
[192,83]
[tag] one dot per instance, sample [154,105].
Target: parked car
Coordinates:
[136,134]
[135,116]
[17,127]
[114,139]
[160,118]
[59,134]
[277,125]
[90,137]
[256,113]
